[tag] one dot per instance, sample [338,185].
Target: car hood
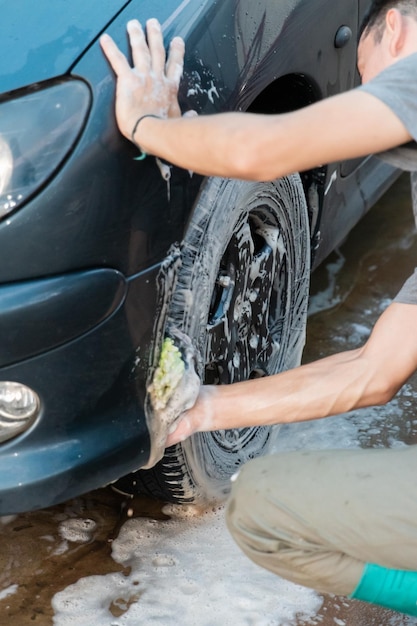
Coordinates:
[42,39]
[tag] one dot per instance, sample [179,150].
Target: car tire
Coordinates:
[241,294]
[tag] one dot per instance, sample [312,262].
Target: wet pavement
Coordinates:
[43,553]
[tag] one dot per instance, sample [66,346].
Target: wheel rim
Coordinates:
[248,303]
[248,306]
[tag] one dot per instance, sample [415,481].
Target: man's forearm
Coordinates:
[218,145]
[264,147]
[336,384]
[333,385]
[367,376]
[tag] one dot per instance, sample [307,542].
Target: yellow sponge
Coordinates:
[168,373]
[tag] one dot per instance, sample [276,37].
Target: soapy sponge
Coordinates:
[168,374]
[172,389]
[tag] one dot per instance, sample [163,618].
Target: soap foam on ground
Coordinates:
[186,571]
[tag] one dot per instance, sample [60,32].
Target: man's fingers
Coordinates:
[175,62]
[156,46]
[140,51]
[179,431]
[147,56]
[114,56]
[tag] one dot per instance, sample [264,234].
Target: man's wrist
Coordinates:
[133,137]
[207,408]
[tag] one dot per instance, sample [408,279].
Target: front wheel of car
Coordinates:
[240,294]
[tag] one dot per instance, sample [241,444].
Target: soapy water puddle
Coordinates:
[100,560]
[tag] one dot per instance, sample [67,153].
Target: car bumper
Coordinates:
[90,377]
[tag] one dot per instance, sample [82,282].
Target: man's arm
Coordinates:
[238,145]
[367,376]
[264,147]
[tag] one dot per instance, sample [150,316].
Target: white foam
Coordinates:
[7,519]
[9,591]
[77,530]
[184,571]
[330,296]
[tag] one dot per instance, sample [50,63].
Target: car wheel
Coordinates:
[240,293]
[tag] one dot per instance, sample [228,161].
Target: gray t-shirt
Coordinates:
[396,86]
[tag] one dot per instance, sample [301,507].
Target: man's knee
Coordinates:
[268,520]
[246,512]
[245,489]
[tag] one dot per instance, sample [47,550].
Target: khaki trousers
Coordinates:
[317,517]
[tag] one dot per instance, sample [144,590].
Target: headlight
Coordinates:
[19,407]
[37,130]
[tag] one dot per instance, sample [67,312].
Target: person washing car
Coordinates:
[343,522]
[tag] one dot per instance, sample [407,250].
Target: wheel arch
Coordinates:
[286,93]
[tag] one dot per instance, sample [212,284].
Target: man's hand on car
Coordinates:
[150,87]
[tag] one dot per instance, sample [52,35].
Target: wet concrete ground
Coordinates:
[37,556]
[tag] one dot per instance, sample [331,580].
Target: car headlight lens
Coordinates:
[37,130]
[19,407]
